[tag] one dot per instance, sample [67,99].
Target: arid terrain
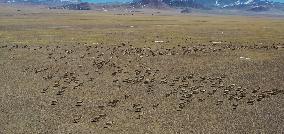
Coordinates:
[152,71]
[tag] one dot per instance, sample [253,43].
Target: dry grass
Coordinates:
[65,27]
[55,78]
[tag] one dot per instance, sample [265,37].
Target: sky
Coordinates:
[105,1]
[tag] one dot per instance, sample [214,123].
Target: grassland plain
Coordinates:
[30,26]
[107,72]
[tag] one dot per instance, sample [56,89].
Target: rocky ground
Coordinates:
[83,88]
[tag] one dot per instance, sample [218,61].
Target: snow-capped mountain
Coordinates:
[240,3]
[208,4]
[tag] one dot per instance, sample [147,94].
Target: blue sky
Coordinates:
[279,0]
[104,1]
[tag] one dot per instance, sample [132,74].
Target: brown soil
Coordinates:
[125,89]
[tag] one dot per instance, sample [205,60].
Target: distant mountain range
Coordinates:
[249,5]
[48,2]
